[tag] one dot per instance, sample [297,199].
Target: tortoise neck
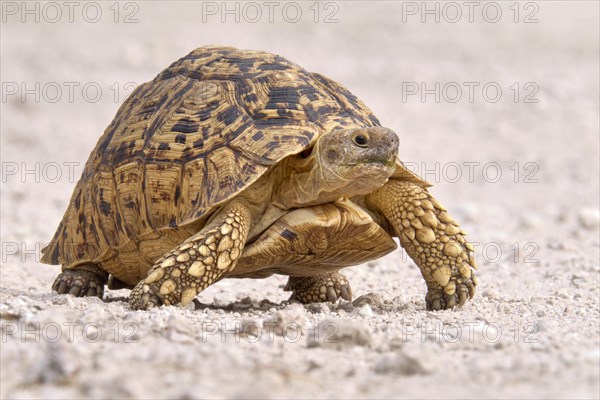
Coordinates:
[303,182]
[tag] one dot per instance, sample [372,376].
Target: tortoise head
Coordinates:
[360,160]
[342,163]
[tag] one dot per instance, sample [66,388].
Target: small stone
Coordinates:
[179,329]
[365,311]
[318,308]
[556,245]
[10,315]
[244,299]
[292,317]
[340,334]
[59,365]
[532,222]
[541,313]
[370,299]
[589,218]
[492,294]
[402,364]
[250,327]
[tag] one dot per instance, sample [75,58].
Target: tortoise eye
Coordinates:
[360,140]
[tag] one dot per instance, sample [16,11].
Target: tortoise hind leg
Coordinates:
[319,288]
[182,273]
[83,280]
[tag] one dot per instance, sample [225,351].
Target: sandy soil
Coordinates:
[531,332]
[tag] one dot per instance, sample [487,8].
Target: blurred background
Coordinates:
[64,81]
[495,103]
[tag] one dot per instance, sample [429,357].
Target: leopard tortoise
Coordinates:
[241,164]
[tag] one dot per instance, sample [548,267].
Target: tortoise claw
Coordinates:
[438,299]
[75,290]
[331,295]
[346,292]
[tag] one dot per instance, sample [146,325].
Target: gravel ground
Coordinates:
[522,177]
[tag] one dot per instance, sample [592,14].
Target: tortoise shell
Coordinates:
[184,143]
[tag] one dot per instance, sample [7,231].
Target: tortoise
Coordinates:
[242,164]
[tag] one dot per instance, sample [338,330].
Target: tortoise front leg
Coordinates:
[431,238]
[178,276]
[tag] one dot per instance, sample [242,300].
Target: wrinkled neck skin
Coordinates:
[289,184]
[303,183]
[310,181]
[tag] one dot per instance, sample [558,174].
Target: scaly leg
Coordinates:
[319,288]
[83,280]
[178,276]
[431,238]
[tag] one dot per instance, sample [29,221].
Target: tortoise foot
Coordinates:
[454,294]
[79,283]
[319,288]
[143,297]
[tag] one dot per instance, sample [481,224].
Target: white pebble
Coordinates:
[339,334]
[365,311]
[589,218]
[492,294]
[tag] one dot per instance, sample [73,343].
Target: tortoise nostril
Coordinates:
[360,140]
